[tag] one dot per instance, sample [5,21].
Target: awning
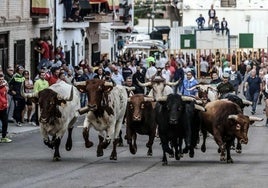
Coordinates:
[40,7]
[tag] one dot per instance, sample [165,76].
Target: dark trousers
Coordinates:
[227,30]
[68,8]
[4,119]
[18,108]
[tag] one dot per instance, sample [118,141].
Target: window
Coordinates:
[228,3]
[19,52]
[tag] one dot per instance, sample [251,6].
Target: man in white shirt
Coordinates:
[117,77]
[151,71]
[166,72]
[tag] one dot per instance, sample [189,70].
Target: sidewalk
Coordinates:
[26,127]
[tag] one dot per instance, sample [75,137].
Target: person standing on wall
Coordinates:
[43,49]
[211,15]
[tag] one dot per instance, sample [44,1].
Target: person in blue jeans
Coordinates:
[253,87]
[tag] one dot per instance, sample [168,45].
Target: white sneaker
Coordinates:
[19,124]
[33,123]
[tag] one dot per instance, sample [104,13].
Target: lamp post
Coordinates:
[148,16]
[152,20]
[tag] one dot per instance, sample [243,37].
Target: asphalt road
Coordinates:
[27,162]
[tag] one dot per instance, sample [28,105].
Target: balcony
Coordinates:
[75,25]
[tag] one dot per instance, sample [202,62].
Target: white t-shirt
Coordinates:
[265,79]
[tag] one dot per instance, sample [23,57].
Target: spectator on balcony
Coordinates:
[68,10]
[211,15]
[224,26]
[200,22]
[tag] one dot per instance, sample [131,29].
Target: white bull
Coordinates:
[58,107]
[105,112]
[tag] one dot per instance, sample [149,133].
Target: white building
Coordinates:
[243,16]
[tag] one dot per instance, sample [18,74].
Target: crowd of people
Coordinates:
[250,77]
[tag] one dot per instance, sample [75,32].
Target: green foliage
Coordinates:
[136,20]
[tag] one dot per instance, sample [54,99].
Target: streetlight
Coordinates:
[152,20]
[148,16]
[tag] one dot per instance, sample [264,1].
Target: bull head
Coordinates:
[27,95]
[137,106]
[146,84]
[81,86]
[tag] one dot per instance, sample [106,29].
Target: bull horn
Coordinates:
[254,118]
[246,102]
[172,83]
[212,88]
[163,98]
[148,99]
[70,98]
[234,117]
[194,87]
[144,84]
[198,107]
[83,110]
[27,95]
[82,83]
[187,98]
[108,84]
[199,101]
[130,88]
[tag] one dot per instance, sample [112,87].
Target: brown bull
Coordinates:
[225,121]
[140,119]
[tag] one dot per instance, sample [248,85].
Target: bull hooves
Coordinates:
[171,156]
[177,157]
[203,149]
[230,161]
[99,154]
[56,159]
[191,155]
[133,151]
[89,144]
[165,163]
[120,144]
[68,148]
[113,158]
[238,151]
[149,154]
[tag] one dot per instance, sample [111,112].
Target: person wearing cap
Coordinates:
[225,86]
[15,91]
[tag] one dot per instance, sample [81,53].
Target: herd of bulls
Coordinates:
[178,119]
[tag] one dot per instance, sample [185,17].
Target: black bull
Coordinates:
[177,119]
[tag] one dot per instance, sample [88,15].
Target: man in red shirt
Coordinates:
[44,51]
